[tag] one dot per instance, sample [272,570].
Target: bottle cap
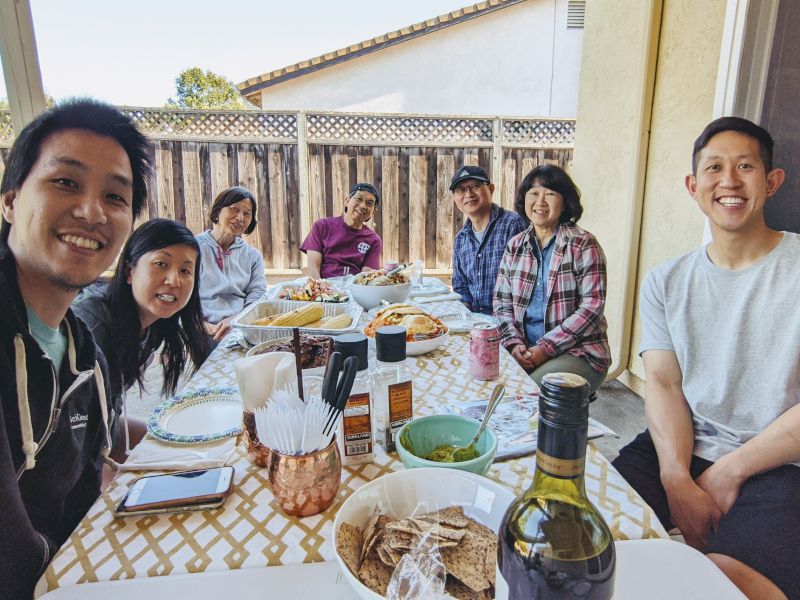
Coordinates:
[353,344]
[564,399]
[391,343]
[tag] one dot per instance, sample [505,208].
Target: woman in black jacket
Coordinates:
[152,300]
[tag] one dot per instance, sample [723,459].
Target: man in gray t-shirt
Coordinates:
[722,364]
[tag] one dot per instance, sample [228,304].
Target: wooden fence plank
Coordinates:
[280,216]
[261,191]
[431,207]
[247,176]
[390,223]
[417,202]
[164,176]
[220,169]
[316,182]
[193,185]
[292,190]
[445,167]
[402,197]
[340,180]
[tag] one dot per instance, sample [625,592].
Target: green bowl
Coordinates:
[426,433]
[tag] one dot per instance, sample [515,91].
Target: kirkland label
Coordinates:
[357,425]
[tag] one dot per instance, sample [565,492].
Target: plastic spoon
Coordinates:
[468,452]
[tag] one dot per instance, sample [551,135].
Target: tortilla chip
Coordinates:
[460,591]
[398,540]
[375,574]
[452,516]
[348,544]
[466,561]
[370,530]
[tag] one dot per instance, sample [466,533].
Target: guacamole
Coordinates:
[444,453]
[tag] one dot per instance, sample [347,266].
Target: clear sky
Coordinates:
[129,52]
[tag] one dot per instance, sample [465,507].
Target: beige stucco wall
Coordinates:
[647,87]
[520,60]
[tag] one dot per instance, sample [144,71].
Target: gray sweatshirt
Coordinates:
[225,291]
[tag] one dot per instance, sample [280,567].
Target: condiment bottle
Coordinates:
[391,386]
[553,543]
[356,432]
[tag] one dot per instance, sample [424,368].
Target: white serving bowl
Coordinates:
[370,296]
[399,494]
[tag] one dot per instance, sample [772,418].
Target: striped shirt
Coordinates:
[576,296]
[475,263]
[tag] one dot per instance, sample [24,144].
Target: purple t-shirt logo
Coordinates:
[363,247]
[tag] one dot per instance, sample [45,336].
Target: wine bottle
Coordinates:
[553,543]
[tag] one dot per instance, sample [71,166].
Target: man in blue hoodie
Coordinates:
[74,181]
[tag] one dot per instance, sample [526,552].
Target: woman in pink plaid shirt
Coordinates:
[551,287]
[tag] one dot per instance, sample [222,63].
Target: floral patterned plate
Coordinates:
[198,416]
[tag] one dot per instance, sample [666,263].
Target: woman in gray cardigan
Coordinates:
[231,271]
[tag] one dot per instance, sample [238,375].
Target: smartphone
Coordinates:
[185,490]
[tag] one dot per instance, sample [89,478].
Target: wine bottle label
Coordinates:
[560,467]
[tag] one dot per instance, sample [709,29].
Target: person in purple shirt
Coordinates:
[344,245]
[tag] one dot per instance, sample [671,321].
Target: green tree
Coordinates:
[195,88]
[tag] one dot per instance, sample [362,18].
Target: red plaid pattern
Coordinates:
[576,295]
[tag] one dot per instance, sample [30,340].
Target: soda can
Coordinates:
[390,264]
[484,351]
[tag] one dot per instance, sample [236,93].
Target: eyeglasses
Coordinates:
[370,203]
[460,191]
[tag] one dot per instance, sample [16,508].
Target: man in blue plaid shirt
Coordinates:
[479,245]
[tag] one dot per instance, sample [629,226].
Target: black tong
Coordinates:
[336,390]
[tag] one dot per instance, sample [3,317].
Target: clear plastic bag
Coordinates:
[420,574]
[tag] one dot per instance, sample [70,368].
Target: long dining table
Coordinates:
[250,530]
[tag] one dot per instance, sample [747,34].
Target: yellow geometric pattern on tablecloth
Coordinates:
[249,530]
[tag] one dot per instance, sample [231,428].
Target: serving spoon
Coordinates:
[468,452]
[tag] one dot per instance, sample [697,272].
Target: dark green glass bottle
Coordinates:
[553,543]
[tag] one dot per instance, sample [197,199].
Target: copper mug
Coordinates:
[305,485]
[257,451]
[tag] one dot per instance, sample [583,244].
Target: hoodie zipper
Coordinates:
[55,412]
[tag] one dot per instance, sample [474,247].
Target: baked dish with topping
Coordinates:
[418,324]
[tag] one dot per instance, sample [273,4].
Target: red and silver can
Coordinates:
[484,351]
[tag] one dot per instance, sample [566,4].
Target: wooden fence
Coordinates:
[301,166]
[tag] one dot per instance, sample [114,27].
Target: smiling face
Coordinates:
[543,207]
[473,198]
[732,185]
[233,220]
[72,214]
[359,208]
[162,281]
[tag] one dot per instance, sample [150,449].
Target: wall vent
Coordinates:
[576,11]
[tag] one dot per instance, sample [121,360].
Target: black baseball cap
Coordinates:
[469,172]
[365,187]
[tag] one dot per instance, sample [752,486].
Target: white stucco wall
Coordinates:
[499,63]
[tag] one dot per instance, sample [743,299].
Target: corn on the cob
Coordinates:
[263,321]
[299,316]
[339,321]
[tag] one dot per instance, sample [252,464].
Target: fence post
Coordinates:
[497,153]
[302,174]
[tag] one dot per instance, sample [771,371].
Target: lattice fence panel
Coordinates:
[534,132]
[214,125]
[418,131]
[6,128]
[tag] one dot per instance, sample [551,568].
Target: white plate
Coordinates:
[399,494]
[465,323]
[198,416]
